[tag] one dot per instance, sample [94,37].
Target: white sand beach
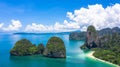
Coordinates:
[90,54]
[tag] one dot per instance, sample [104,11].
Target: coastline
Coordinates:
[90,54]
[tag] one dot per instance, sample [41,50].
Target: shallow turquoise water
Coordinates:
[75,56]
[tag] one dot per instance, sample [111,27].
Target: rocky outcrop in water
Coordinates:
[23,47]
[55,48]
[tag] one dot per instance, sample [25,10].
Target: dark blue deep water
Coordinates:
[75,56]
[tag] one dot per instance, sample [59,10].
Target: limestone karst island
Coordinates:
[55,48]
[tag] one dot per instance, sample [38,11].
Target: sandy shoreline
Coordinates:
[90,54]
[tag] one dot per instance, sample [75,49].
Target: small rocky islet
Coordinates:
[24,47]
[55,48]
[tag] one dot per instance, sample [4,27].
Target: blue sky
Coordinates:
[43,12]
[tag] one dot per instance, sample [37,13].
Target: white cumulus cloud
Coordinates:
[57,27]
[96,15]
[80,19]
[36,27]
[14,26]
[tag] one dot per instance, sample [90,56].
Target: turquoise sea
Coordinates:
[75,56]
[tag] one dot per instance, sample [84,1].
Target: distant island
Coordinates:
[105,43]
[55,48]
[26,33]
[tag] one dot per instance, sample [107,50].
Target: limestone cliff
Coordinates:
[55,48]
[91,37]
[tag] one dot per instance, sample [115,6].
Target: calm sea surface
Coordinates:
[75,56]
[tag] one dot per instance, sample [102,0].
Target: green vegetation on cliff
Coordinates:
[82,35]
[91,28]
[109,49]
[55,48]
[91,40]
[108,45]
[92,31]
[24,47]
[41,48]
[108,55]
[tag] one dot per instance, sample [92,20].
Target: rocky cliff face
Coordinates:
[82,35]
[99,38]
[55,48]
[91,37]
[23,47]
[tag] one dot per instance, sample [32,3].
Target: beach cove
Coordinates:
[90,55]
